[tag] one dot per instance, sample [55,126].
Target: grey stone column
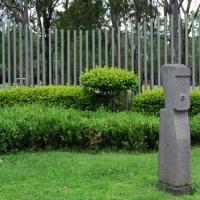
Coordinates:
[174,160]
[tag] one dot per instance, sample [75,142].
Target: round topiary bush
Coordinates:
[105,79]
[151,101]
[107,85]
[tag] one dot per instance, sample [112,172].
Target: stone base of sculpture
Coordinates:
[174,152]
[175,190]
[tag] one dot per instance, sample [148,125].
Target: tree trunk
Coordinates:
[175,13]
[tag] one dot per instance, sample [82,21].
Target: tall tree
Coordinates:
[45,11]
[85,14]
[175,8]
[19,10]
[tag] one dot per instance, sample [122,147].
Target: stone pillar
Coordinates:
[174,160]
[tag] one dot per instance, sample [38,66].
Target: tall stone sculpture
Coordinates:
[174,161]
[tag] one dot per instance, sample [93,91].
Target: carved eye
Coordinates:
[182,97]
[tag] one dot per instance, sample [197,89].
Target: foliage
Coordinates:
[65,96]
[82,14]
[151,101]
[104,79]
[195,102]
[108,86]
[39,127]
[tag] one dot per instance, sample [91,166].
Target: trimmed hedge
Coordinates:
[37,127]
[151,101]
[65,96]
[109,86]
[105,79]
[40,127]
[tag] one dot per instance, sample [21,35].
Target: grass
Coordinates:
[84,176]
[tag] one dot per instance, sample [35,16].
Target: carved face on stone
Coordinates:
[176,85]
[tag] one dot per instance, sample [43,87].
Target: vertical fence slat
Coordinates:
[62,57]
[126,48]
[119,46]
[132,49]
[199,53]
[93,48]
[56,56]
[20,54]
[9,61]
[186,40]
[31,57]
[50,58]
[43,58]
[75,75]
[99,45]
[106,47]
[26,55]
[172,38]
[68,57]
[113,46]
[14,55]
[81,50]
[165,38]
[139,61]
[158,40]
[193,53]
[87,63]
[3,56]
[38,56]
[145,54]
[179,39]
[152,54]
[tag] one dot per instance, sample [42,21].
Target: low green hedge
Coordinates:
[151,101]
[36,127]
[40,127]
[65,96]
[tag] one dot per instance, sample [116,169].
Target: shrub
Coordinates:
[65,96]
[151,101]
[195,102]
[39,127]
[108,85]
[104,79]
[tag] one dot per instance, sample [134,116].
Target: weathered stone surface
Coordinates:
[174,161]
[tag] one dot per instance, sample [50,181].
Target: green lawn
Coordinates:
[83,176]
